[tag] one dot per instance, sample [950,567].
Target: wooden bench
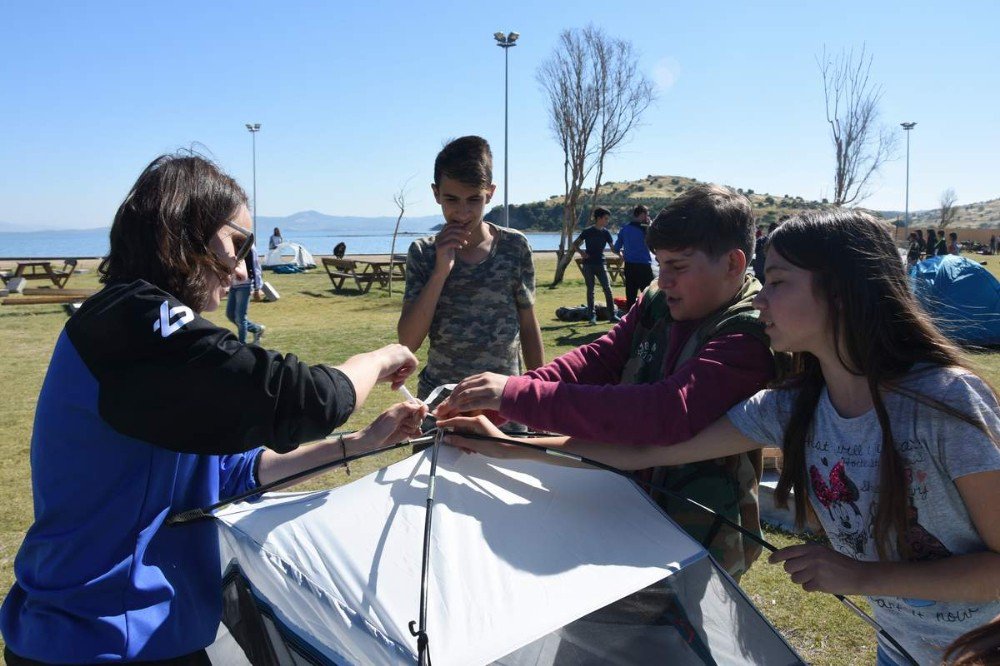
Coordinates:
[340,270]
[614,265]
[43,270]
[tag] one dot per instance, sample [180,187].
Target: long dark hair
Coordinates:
[161,232]
[879,331]
[979,647]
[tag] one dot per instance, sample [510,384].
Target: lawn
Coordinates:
[322,327]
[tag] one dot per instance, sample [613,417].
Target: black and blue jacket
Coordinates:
[147,409]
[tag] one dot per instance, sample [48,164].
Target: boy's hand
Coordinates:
[479,425]
[451,239]
[397,363]
[478,392]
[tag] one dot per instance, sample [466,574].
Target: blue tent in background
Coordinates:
[962,297]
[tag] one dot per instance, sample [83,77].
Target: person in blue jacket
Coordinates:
[147,410]
[638,260]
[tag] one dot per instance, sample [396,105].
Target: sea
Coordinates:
[89,243]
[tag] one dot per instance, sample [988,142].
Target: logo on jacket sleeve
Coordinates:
[167,328]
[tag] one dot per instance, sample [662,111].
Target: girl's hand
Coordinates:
[821,569]
[478,392]
[479,425]
[396,424]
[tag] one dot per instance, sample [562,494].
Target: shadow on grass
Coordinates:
[576,334]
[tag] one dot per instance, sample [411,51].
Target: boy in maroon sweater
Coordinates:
[689,349]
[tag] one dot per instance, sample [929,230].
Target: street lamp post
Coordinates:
[254,128]
[906,216]
[505,42]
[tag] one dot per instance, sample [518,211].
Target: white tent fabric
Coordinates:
[519,550]
[289,253]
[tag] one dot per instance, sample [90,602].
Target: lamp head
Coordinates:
[512,37]
[498,36]
[907,126]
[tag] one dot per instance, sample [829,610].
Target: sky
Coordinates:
[355,99]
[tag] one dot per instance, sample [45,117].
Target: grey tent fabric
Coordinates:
[531,564]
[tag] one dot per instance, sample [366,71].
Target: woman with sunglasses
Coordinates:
[147,410]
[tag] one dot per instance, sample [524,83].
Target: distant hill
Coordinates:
[981,214]
[657,191]
[311,221]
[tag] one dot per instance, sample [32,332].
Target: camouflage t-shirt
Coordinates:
[475,326]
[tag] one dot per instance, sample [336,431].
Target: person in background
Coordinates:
[913,250]
[275,240]
[595,238]
[238,301]
[932,244]
[340,249]
[922,243]
[638,260]
[993,244]
[759,249]
[941,246]
[471,287]
[147,410]
[887,434]
[952,246]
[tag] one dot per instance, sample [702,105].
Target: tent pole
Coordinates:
[423,654]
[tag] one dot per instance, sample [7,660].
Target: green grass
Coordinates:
[321,327]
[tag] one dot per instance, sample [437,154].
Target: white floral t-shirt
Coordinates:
[842,465]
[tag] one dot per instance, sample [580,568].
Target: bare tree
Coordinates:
[624,95]
[948,211]
[596,97]
[852,110]
[399,198]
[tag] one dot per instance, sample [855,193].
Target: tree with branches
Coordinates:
[860,144]
[399,198]
[597,96]
[948,211]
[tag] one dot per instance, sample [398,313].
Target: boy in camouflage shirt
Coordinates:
[471,287]
[689,349]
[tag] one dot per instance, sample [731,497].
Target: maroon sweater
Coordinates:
[578,393]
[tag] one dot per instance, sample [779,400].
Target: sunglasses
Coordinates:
[244,249]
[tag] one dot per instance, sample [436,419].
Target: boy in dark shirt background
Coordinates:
[594,239]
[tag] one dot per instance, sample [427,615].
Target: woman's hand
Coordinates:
[478,392]
[821,569]
[479,425]
[397,363]
[396,424]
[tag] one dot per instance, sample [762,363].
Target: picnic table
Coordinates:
[381,269]
[614,264]
[42,270]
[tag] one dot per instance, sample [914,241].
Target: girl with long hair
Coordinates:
[886,432]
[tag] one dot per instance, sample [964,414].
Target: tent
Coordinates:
[289,254]
[529,564]
[962,297]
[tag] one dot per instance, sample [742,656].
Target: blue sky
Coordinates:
[355,99]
